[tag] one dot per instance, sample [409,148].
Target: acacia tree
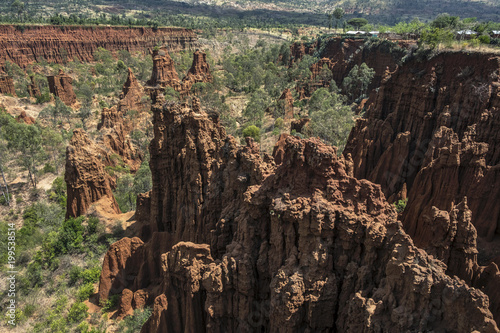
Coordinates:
[338,13]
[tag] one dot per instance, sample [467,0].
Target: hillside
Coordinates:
[278,11]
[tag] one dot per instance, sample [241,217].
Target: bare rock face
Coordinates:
[432,132]
[164,73]
[7,84]
[121,257]
[86,178]
[300,125]
[61,86]
[33,88]
[132,94]
[241,244]
[59,44]
[287,100]
[199,71]
[23,117]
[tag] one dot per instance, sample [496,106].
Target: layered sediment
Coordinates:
[431,136]
[236,242]
[24,45]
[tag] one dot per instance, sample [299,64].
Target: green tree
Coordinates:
[331,120]
[356,83]
[357,22]
[253,132]
[18,8]
[338,13]
[256,107]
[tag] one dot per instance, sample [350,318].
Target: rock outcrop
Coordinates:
[132,95]
[61,86]
[286,100]
[24,118]
[238,243]
[199,71]
[431,135]
[59,44]
[34,88]
[86,178]
[164,73]
[7,84]
[341,55]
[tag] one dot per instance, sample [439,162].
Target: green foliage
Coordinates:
[77,312]
[253,132]
[132,324]
[356,83]
[331,120]
[56,112]
[128,187]
[110,303]
[443,21]
[400,205]
[256,107]
[57,192]
[436,36]
[357,22]
[85,291]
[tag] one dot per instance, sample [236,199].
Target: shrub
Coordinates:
[110,303]
[400,205]
[85,291]
[78,312]
[253,132]
[134,323]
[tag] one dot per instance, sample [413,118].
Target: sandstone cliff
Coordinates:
[59,44]
[431,135]
[341,55]
[6,84]
[61,86]
[85,175]
[234,242]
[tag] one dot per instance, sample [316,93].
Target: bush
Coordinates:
[85,291]
[132,324]
[78,312]
[400,205]
[253,132]
[110,303]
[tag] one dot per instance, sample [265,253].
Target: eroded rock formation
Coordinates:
[23,117]
[59,44]
[7,84]
[199,71]
[132,95]
[33,88]
[61,86]
[238,243]
[286,99]
[86,178]
[164,73]
[431,135]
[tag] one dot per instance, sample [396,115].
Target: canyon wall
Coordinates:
[431,135]
[86,177]
[234,242]
[341,55]
[7,84]
[24,45]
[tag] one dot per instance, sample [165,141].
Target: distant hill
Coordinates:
[289,11]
